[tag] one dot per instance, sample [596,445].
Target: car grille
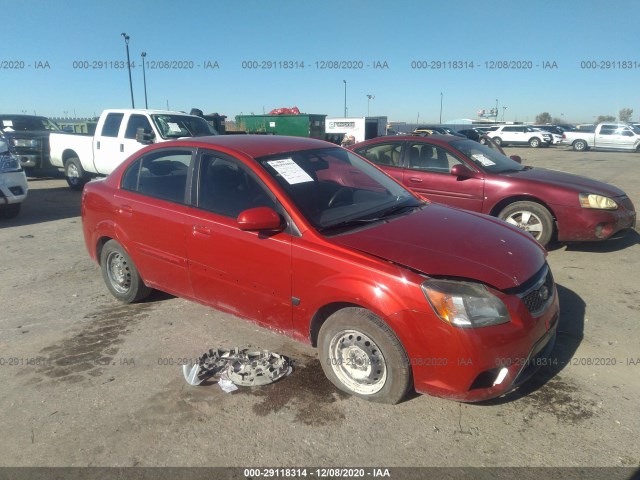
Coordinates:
[538,297]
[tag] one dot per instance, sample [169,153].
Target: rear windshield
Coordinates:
[485,158]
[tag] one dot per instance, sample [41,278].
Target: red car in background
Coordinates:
[464,174]
[310,240]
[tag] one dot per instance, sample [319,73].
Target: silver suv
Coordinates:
[520,135]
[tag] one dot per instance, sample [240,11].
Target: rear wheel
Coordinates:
[121,275]
[75,174]
[530,217]
[362,356]
[579,145]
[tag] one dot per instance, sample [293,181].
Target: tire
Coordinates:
[497,140]
[534,142]
[10,211]
[579,145]
[121,275]
[530,217]
[362,356]
[75,174]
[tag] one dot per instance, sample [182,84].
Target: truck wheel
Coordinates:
[497,140]
[121,275]
[534,142]
[74,173]
[530,217]
[579,145]
[362,356]
[10,211]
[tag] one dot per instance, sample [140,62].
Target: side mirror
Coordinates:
[260,218]
[144,136]
[462,171]
[516,158]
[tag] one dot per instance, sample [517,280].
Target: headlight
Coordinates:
[465,305]
[23,142]
[591,200]
[9,163]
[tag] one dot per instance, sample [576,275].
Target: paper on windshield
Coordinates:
[290,171]
[174,127]
[7,123]
[483,160]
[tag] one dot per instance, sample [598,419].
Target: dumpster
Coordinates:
[303,125]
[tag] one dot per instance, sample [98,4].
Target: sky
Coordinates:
[64,58]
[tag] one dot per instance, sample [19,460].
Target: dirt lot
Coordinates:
[87,381]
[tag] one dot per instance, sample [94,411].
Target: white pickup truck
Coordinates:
[119,134]
[607,136]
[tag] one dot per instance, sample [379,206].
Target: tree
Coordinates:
[605,118]
[625,114]
[544,117]
[557,120]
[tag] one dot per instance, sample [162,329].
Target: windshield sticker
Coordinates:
[7,123]
[483,160]
[174,127]
[290,171]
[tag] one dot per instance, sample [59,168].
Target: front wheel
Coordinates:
[534,142]
[75,174]
[579,145]
[362,356]
[530,217]
[10,211]
[497,141]
[121,275]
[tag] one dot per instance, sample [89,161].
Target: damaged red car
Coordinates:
[310,240]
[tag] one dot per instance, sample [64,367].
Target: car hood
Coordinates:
[567,181]
[443,241]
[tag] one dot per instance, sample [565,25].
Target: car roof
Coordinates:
[441,139]
[258,145]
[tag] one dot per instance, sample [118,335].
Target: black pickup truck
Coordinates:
[28,138]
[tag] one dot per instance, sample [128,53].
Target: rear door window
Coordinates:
[111,125]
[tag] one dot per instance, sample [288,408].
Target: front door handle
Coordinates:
[201,231]
[415,179]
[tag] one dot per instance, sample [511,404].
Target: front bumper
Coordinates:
[471,365]
[576,224]
[13,187]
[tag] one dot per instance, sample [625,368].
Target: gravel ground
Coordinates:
[87,381]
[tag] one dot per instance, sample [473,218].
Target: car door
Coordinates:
[243,272]
[153,217]
[605,137]
[107,150]
[428,172]
[386,155]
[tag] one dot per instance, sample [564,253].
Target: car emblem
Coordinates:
[543,293]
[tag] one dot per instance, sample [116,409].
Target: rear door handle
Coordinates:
[125,210]
[201,231]
[121,147]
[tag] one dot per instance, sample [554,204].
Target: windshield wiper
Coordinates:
[363,221]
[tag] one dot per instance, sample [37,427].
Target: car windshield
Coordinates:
[487,159]
[335,189]
[26,123]
[635,128]
[177,126]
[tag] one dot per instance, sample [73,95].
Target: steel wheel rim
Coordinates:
[527,221]
[357,362]
[118,272]
[72,171]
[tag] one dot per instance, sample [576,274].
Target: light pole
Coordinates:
[441,107]
[126,42]
[496,117]
[144,79]
[369,98]
[345,98]
[503,109]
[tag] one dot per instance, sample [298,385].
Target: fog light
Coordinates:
[501,376]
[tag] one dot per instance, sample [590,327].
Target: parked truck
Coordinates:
[119,133]
[607,136]
[27,136]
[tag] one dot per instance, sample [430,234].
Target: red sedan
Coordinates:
[464,174]
[310,240]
